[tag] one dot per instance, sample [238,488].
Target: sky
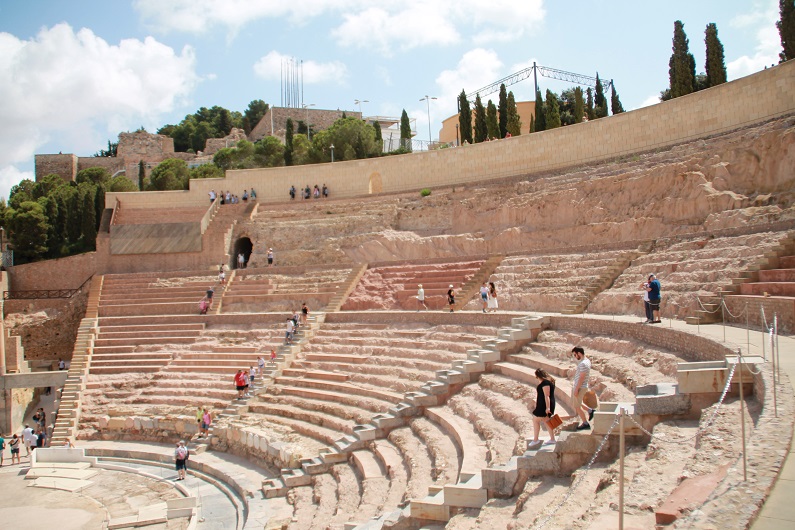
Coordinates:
[73,75]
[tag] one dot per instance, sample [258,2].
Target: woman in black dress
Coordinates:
[545,405]
[451,298]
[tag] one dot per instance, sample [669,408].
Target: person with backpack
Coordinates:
[181,455]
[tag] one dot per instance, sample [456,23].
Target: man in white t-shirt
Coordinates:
[28,438]
[579,386]
[288,335]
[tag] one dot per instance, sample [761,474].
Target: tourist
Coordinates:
[580,386]
[222,199]
[654,298]
[492,305]
[451,298]
[545,405]
[288,335]
[210,293]
[304,313]
[222,276]
[316,192]
[241,261]
[296,320]
[246,382]
[41,438]
[270,257]
[228,197]
[28,438]
[181,455]
[212,196]
[245,195]
[204,305]
[325,191]
[240,384]
[273,355]
[484,296]
[2,449]
[307,192]
[646,303]
[13,444]
[261,364]
[421,298]
[253,194]
[252,370]
[199,414]
[292,193]
[207,420]
[61,364]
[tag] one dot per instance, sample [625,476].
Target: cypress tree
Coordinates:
[579,105]
[405,131]
[288,142]
[682,65]
[615,103]
[514,121]
[88,225]
[492,124]
[599,100]
[481,129]
[552,111]
[141,175]
[589,104]
[715,64]
[532,124]
[503,102]
[379,139]
[541,122]
[464,118]
[786,29]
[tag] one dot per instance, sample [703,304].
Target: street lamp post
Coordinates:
[332,153]
[359,102]
[308,130]
[428,99]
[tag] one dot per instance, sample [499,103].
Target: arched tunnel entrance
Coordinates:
[242,246]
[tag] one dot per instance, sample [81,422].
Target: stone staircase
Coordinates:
[471,288]
[69,407]
[583,299]
[349,284]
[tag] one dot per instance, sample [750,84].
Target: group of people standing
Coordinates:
[229,198]
[308,193]
[488,295]
[651,299]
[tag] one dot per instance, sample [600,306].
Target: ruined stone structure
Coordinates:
[213,145]
[274,122]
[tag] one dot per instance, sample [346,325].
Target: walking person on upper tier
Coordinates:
[580,386]
[492,304]
[655,297]
[545,406]
[181,455]
[484,296]
[451,298]
[421,297]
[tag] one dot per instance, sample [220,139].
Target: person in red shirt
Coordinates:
[240,384]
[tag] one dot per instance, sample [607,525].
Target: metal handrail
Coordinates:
[42,294]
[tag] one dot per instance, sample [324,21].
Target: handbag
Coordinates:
[590,399]
[554,422]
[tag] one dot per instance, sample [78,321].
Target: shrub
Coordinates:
[425,192]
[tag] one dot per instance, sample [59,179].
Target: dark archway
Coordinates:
[242,246]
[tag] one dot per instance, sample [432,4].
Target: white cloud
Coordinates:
[651,100]
[10,176]
[761,19]
[76,89]
[270,67]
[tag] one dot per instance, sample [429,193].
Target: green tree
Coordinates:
[786,29]
[566,105]
[615,103]
[170,174]
[481,127]
[379,138]
[253,114]
[532,124]
[682,65]
[141,175]
[503,102]
[589,110]
[223,158]
[20,193]
[74,217]
[269,152]
[552,111]
[352,138]
[121,183]
[93,175]
[224,122]
[514,121]
[88,219]
[492,124]
[29,227]
[579,105]
[715,64]
[540,118]
[302,150]
[464,118]
[405,131]
[206,171]
[55,237]
[288,142]
[110,151]
[201,133]
[46,186]
[599,100]
[99,203]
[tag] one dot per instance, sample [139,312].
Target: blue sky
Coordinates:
[75,74]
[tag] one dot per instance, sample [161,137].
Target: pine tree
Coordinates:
[589,104]
[615,103]
[481,129]
[786,29]
[492,124]
[682,65]
[465,118]
[599,100]
[715,64]
[141,175]
[379,138]
[532,124]
[405,131]
[579,105]
[503,111]
[514,120]
[88,220]
[540,122]
[552,111]
[288,142]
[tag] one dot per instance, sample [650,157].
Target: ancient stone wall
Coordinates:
[274,123]
[112,164]
[746,101]
[48,328]
[60,164]
[62,273]
[141,145]
[744,310]
[213,145]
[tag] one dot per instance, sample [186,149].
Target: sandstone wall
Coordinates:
[62,273]
[60,164]
[48,328]
[274,123]
[112,164]
[749,100]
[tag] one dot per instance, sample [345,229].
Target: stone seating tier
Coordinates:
[128,216]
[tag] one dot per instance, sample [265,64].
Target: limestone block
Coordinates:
[137,423]
[275,449]
[103,421]
[220,431]
[467,493]
[499,481]
[661,399]
[166,424]
[147,424]
[116,424]
[699,377]
[179,426]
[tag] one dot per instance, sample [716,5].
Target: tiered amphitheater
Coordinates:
[382,414]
